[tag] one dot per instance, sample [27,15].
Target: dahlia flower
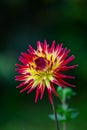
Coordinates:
[40,69]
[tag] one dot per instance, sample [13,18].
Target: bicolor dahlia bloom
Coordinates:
[40,69]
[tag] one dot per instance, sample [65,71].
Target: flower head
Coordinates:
[40,69]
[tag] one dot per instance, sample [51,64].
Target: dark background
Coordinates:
[23,22]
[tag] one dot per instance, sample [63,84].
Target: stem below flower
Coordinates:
[64,105]
[64,126]
[55,114]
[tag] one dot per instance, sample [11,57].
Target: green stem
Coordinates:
[55,114]
[64,105]
[64,126]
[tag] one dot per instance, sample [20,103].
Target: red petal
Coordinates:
[58,83]
[22,70]
[52,46]
[59,48]
[66,83]
[53,90]
[28,57]
[42,91]
[21,59]
[30,90]
[45,46]
[68,60]
[21,77]
[65,68]
[50,95]
[39,46]
[26,88]
[64,53]
[21,84]
[37,94]
[63,76]
[31,50]
[19,65]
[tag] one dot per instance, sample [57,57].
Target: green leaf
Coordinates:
[52,116]
[60,92]
[59,117]
[74,115]
[67,92]
[64,113]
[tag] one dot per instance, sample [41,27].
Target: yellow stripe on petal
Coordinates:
[48,56]
[47,82]
[40,54]
[50,77]
[29,78]
[35,83]
[56,64]
[37,80]
[54,55]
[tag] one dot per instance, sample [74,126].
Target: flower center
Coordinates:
[40,63]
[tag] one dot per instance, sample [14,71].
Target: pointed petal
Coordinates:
[39,46]
[65,68]
[50,95]
[21,59]
[66,83]
[27,87]
[52,46]
[45,46]
[21,84]
[20,77]
[42,88]
[31,50]
[18,65]
[68,60]
[58,48]
[53,89]
[22,70]
[26,56]
[30,90]
[63,76]
[37,94]
[58,83]
[65,53]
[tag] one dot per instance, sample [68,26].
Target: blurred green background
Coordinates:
[23,22]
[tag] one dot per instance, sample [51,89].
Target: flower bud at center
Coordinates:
[40,63]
